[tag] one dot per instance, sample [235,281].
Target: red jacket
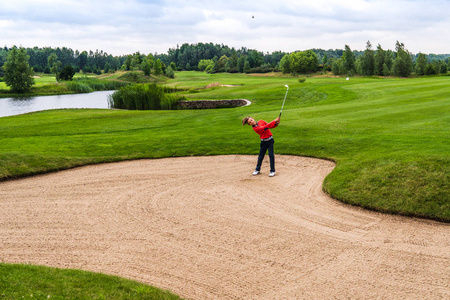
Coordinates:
[263,128]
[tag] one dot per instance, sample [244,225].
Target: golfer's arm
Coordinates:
[272,124]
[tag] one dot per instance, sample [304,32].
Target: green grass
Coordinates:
[33,282]
[389,137]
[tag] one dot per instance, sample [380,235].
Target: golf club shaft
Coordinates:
[284,100]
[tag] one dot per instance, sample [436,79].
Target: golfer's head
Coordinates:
[249,120]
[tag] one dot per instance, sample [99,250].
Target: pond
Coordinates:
[17,106]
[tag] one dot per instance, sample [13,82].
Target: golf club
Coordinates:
[284,99]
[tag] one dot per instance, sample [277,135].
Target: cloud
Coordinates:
[123,27]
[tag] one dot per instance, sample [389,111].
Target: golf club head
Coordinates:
[286,86]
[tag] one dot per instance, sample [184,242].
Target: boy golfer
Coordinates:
[262,128]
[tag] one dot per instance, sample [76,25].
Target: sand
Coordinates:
[205,228]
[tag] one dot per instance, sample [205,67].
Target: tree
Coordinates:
[87,69]
[403,65]
[421,64]
[348,61]
[127,62]
[67,73]
[107,67]
[54,64]
[285,64]
[18,73]
[52,59]
[158,67]
[443,69]
[216,65]
[303,62]
[255,58]
[223,60]
[203,64]
[170,73]
[246,66]
[324,60]
[230,66]
[430,69]
[336,66]
[380,59]
[82,59]
[146,67]
[386,70]
[368,61]
[210,67]
[240,64]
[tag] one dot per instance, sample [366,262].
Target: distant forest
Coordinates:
[214,58]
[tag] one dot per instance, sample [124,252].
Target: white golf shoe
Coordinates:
[255,172]
[272,174]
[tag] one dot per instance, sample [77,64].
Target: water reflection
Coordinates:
[16,106]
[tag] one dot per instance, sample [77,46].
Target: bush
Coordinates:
[170,73]
[301,80]
[67,73]
[262,69]
[144,97]
[87,69]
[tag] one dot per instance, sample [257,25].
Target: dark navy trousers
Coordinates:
[266,145]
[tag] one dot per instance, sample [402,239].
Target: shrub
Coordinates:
[67,73]
[301,80]
[170,73]
[144,97]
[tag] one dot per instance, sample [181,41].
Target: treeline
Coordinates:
[225,59]
[89,62]
[62,61]
[214,58]
[382,62]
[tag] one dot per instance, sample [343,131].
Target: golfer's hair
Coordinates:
[244,121]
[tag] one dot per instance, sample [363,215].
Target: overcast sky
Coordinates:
[121,27]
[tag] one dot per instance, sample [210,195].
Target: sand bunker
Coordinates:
[204,228]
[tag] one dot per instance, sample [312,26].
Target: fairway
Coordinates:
[217,232]
[389,137]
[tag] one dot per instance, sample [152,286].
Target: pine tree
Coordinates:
[368,61]
[348,61]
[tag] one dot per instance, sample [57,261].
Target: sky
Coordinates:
[120,27]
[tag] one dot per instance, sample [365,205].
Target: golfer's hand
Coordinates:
[277,120]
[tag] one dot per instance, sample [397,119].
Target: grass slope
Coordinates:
[389,137]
